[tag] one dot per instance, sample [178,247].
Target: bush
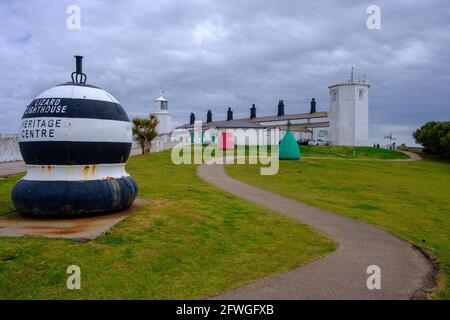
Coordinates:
[435,138]
[144,131]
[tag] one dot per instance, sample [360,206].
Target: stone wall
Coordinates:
[157,145]
[9,148]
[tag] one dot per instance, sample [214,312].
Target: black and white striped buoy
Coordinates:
[75,140]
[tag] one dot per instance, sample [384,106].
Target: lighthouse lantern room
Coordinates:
[161,110]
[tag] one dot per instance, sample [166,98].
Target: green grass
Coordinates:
[341,152]
[6,185]
[350,152]
[192,241]
[410,199]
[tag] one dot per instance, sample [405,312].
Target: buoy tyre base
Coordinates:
[288,148]
[75,140]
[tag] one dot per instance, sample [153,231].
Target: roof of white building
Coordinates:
[258,122]
[161,98]
[238,123]
[295,116]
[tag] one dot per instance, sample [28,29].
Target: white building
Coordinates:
[161,110]
[346,124]
[244,132]
[349,113]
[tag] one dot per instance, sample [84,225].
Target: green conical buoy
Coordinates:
[289,149]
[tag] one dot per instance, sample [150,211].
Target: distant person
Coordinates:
[378,145]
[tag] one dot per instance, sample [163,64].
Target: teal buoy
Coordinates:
[289,149]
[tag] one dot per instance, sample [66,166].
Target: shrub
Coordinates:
[144,131]
[435,138]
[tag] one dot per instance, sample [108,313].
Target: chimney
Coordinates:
[280,108]
[253,111]
[192,119]
[229,114]
[209,116]
[313,106]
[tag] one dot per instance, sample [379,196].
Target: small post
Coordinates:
[78,76]
[79,64]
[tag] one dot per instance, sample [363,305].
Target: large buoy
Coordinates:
[289,149]
[75,140]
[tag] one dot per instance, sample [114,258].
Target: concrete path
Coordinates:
[11,168]
[412,157]
[78,228]
[405,272]
[16,167]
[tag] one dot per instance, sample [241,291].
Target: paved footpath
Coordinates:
[405,272]
[11,168]
[412,157]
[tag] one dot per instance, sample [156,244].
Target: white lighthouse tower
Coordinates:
[349,112]
[161,110]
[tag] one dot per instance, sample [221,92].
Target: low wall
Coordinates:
[9,148]
[157,145]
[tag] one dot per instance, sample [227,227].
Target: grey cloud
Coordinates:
[219,54]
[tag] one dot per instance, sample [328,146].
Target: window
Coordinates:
[333,95]
[361,94]
[164,105]
[323,133]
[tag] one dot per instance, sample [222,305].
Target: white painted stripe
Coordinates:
[74,129]
[77,92]
[75,172]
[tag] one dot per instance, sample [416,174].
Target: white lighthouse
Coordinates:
[161,110]
[349,113]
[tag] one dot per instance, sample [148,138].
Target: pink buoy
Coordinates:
[226,140]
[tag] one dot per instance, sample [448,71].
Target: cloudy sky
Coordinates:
[220,54]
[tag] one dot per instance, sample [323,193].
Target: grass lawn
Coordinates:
[410,199]
[192,241]
[350,152]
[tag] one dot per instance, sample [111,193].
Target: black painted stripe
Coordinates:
[75,108]
[73,198]
[74,153]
